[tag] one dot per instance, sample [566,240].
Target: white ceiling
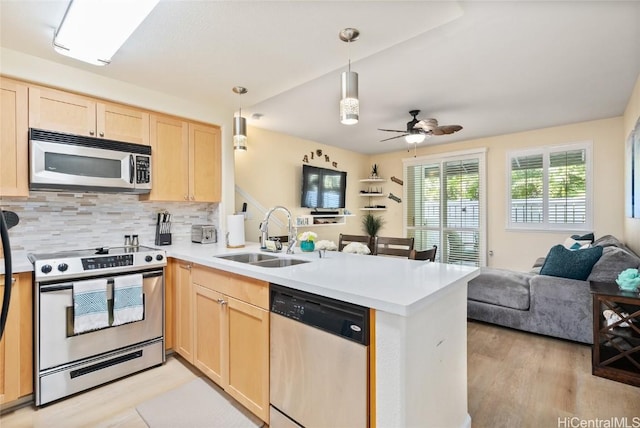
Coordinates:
[493,67]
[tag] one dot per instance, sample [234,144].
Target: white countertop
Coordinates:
[394,285]
[389,284]
[19,263]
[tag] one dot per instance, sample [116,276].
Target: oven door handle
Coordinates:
[69,286]
[152,274]
[52,288]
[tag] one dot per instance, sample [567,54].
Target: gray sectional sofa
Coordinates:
[544,304]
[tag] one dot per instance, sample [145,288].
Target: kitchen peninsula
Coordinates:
[418,346]
[419,365]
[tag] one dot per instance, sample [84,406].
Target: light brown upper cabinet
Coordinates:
[205,163]
[186,161]
[14,139]
[55,110]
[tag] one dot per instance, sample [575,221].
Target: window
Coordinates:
[549,188]
[445,206]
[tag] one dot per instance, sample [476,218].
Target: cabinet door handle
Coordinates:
[222,302]
[102,134]
[188,267]
[91,132]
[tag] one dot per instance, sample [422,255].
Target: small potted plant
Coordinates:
[307,241]
[371,224]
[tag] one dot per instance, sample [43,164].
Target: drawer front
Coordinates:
[249,290]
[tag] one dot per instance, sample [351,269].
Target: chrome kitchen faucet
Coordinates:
[264,228]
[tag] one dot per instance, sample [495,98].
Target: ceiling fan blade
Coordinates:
[393,138]
[427,124]
[446,129]
[391,130]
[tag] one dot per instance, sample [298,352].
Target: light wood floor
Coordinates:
[515,380]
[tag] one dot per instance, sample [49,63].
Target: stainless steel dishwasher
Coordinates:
[319,361]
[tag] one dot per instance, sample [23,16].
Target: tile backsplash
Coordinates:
[51,221]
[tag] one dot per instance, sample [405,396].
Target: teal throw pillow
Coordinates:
[570,264]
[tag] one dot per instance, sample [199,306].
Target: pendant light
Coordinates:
[239,125]
[349,103]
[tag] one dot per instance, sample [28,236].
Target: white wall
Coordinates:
[631,116]
[270,172]
[516,249]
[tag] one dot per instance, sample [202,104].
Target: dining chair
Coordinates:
[344,240]
[388,246]
[429,254]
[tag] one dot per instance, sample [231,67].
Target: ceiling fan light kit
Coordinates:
[349,102]
[239,125]
[415,138]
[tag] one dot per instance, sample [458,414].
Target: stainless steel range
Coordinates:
[99,316]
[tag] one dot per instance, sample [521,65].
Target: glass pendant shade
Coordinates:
[349,103]
[239,133]
[414,138]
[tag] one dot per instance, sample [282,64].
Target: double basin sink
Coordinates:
[262,260]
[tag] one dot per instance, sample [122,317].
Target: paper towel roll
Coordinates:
[235,231]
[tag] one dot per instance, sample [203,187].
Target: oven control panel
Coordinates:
[58,268]
[104,262]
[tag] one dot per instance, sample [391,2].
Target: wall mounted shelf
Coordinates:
[376,193]
[322,220]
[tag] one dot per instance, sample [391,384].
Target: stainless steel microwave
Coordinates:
[59,161]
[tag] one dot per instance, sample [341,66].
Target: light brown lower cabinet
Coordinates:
[183,310]
[227,334]
[16,346]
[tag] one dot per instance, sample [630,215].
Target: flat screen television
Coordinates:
[323,188]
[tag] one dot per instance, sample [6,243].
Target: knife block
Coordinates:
[162,238]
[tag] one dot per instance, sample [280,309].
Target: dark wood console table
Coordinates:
[616,349]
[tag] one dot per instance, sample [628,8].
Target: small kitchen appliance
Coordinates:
[69,359]
[204,234]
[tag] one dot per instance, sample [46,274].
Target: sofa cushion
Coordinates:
[613,261]
[570,264]
[501,287]
[574,244]
[609,241]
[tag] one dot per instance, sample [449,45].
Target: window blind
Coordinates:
[549,188]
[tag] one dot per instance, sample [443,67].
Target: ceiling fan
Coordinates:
[418,129]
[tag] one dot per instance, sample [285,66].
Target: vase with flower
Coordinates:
[307,241]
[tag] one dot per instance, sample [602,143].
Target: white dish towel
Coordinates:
[90,305]
[127,299]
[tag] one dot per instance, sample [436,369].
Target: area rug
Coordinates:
[195,404]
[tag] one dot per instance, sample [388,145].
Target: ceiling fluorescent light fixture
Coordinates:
[415,138]
[93,30]
[349,103]
[239,125]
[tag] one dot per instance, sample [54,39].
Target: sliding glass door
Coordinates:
[445,206]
